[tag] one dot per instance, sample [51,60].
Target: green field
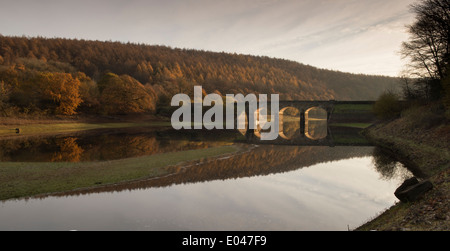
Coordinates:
[352,108]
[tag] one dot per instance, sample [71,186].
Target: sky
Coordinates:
[358,36]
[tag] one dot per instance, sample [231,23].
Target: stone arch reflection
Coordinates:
[289,123]
[316,124]
[242,122]
[258,117]
[262,115]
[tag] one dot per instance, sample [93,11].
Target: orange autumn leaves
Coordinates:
[61,89]
[124,94]
[63,93]
[52,92]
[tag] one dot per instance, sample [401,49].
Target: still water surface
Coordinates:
[267,188]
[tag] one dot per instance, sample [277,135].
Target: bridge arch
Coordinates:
[289,123]
[258,117]
[316,123]
[242,122]
[305,110]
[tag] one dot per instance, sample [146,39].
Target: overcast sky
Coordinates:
[359,36]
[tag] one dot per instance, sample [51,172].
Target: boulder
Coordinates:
[407,183]
[412,189]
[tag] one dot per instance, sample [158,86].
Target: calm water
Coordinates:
[265,188]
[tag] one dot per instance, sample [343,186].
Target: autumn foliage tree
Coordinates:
[124,95]
[60,90]
[89,93]
[68,76]
[54,92]
[3,98]
[175,69]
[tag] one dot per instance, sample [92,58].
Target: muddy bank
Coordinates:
[426,150]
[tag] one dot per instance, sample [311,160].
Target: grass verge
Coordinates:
[34,129]
[21,179]
[352,108]
[353,125]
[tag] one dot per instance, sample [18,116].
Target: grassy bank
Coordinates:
[36,129]
[425,147]
[27,179]
[353,115]
[352,108]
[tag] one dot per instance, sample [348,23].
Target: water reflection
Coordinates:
[120,144]
[316,125]
[289,123]
[265,187]
[256,161]
[390,168]
[102,145]
[324,196]
[69,151]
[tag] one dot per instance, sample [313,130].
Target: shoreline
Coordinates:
[428,159]
[425,151]
[31,127]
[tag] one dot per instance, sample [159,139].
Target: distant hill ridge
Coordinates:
[171,71]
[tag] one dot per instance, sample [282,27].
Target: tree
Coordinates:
[173,68]
[446,85]
[61,89]
[89,92]
[428,46]
[387,106]
[125,95]
[4,96]
[34,90]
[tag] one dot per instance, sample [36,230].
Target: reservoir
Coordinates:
[260,188]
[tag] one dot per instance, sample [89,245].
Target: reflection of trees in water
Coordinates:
[120,147]
[96,147]
[37,148]
[69,151]
[388,167]
[6,147]
[264,160]
[108,147]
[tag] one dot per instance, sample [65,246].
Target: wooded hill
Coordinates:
[64,76]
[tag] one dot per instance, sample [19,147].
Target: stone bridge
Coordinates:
[307,133]
[303,135]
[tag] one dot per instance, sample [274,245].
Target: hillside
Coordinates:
[154,74]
